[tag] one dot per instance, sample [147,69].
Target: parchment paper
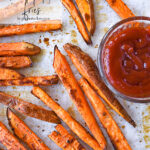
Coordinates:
[139,137]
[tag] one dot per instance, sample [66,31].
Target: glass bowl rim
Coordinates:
[99,63]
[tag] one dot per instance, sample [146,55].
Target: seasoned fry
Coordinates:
[17,7]
[64,139]
[87,11]
[39,26]
[70,6]
[30,81]
[15,62]
[9,140]
[64,115]
[21,130]
[65,74]
[28,109]
[115,134]
[8,74]
[89,71]
[18,49]
[120,8]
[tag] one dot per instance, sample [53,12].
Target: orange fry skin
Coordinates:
[114,132]
[86,9]
[31,81]
[8,74]
[18,49]
[120,8]
[70,6]
[65,74]
[88,69]
[22,131]
[9,140]
[39,26]
[65,116]
[15,62]
[64,139]
[28,109]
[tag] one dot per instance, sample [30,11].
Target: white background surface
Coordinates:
[42,65]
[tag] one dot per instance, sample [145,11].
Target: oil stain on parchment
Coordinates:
[70,20]
[102,17]
[146,127]
[74,37]
[70,110]
[39,57]
[46,41]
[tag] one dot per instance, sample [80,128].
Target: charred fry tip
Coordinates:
[55,47]
[55,51]
[89,42]
[133,123]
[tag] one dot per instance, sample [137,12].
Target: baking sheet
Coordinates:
[139,137]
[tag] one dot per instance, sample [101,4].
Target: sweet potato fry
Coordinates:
[17,7]
[15,62]
[30,81]
[70,6]
[87,11]
[120,8]
[64,115]
[65,74]
[28,109]
[9,140]
[18,49]
[8,74]
[89,71]
[114,132]
[39,26]
[64,139]
[21,130]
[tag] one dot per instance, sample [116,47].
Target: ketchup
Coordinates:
[126,61]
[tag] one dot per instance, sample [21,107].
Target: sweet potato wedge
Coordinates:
[15,62]
[22,131]
[86,9]
[64,139]
[28,109]
[65,74]
[39,26]
[18,49]
[88,69]
[70,6]
[64,115]
[9,140]
[114,132]
[30,81]
[8,74]
[120,8]
[17,7]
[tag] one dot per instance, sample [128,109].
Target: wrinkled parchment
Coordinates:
[139,137]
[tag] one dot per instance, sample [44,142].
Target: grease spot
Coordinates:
[70,20]
[46,41]
[70,110]
[40,40]
[73,33]
[106,29]
[99,7]
[74,41]
[102,17]
[39,57]
[146,126]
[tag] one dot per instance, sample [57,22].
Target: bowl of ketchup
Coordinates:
[124,59]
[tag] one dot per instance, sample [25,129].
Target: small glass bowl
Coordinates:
[126,23]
